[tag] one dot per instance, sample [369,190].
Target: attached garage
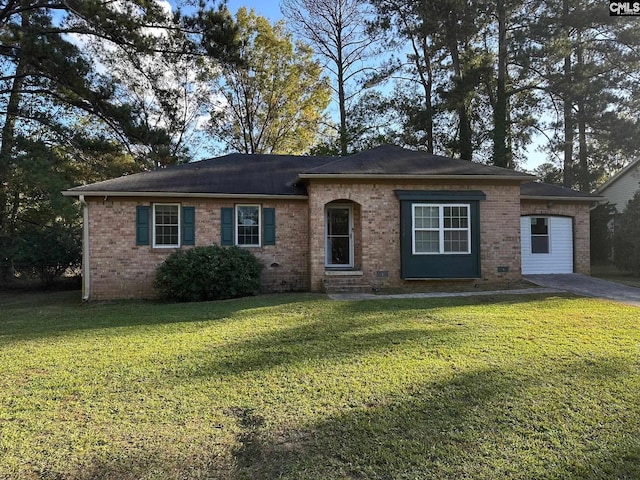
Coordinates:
[547,244]
[554,229]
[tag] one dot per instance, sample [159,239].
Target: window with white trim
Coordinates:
[248,225]
[166,225]
[440,229]
[539,235]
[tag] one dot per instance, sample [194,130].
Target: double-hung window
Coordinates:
[248,225]
[440,229]
[539,235]
[166,225]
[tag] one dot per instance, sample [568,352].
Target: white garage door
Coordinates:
[547,244]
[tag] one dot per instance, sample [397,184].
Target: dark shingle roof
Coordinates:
[534,190]
[389,160]
[256,175]
[233,174]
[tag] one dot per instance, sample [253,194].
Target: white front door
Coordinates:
[339,236]
[547,244]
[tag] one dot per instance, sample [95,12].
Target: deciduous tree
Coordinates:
[336,29]
[273,101]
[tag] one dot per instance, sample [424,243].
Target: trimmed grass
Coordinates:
[301,387]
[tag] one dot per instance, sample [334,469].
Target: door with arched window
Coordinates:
[339,236]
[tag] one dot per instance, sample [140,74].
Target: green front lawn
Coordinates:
[301,387]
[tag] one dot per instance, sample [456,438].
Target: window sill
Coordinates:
[164,249]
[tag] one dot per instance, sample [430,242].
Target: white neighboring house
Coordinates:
[621,188]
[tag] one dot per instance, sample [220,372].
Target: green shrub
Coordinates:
[208,273]
[47,251]
[627,237]
[601,234]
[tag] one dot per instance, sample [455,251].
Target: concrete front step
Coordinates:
[346,282]
[331,289]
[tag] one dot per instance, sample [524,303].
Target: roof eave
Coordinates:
[557,198]
[104,193]
[381,176]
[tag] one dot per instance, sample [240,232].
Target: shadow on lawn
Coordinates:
[313,343]
[474,425]
[53,314]
[343,329]
[44,314]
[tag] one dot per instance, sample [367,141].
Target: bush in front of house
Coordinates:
[208,273]
[627,237]
[46,251]
[601,220]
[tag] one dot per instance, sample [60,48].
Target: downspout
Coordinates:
[86,284]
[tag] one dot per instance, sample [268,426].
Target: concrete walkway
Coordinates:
[572,283]
[373,296]
[588,287]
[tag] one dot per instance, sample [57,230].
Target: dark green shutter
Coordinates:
[188,225]
[269,219]
[226,226]
[142,225]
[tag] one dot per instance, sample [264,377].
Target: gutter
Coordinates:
[596,203]
[549,198]
[86,283]
[107,193]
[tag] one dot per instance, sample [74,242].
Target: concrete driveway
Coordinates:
[588,287]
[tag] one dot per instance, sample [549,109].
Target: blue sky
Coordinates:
[271,10]
[266,8]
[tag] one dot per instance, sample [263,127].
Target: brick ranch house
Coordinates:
[383,218]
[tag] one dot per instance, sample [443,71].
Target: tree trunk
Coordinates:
[567,171]
[501,153]
[426,80]
[582,176]
[344,141]
[465,145]
[7,138]
[429,108]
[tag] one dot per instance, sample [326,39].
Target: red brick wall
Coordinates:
[120,269]
[580,213]
[379,217]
